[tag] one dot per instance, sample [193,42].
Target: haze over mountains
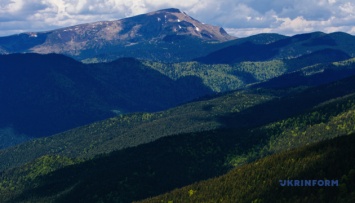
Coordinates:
[130,109]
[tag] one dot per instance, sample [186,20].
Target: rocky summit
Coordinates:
[92,39]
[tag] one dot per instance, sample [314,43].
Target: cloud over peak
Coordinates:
[241,17]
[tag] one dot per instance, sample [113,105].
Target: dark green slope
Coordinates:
[126,175]
[46,94]
[171,162]
[246,51]
[127,85]
[20,43]
[227,77]
[263,38]
[259,181]
[312,75]
[133,129]
[144,89]
[322,56]
[172,48]
[41,95]
[284,48]
[241,109]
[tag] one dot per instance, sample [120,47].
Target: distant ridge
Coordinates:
[265,47]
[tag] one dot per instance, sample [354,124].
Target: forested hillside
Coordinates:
[46,94]
[133,129]
[258,181]
[247,134]
[284,48]
[312,75]
[227,77]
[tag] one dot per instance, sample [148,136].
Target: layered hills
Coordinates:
[47,94]
[144,105]
[283,48]
[265,123]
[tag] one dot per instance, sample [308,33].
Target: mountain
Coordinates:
[229,77]
[241,110]
[161,165]
[284,48]
[64,93]
[164,35]
[46,94]
[124,113]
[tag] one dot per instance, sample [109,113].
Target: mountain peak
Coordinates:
[172,21]
[170,10]
[167,26]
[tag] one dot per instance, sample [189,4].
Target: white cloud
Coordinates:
[347,8]
[243,17]
[11,6]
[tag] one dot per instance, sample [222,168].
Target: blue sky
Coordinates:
[239,17]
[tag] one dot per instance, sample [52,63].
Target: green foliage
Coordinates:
[259,181]
[218,77]
[328,120]
[226,77]
[175,161]
[222,77]
[262,70]
[164,166]
[192,192]
[12,182]
[146,154]
[133,129]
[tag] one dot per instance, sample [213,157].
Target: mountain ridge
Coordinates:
[236,110]
[282,48]
[120,38]
[143,171]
